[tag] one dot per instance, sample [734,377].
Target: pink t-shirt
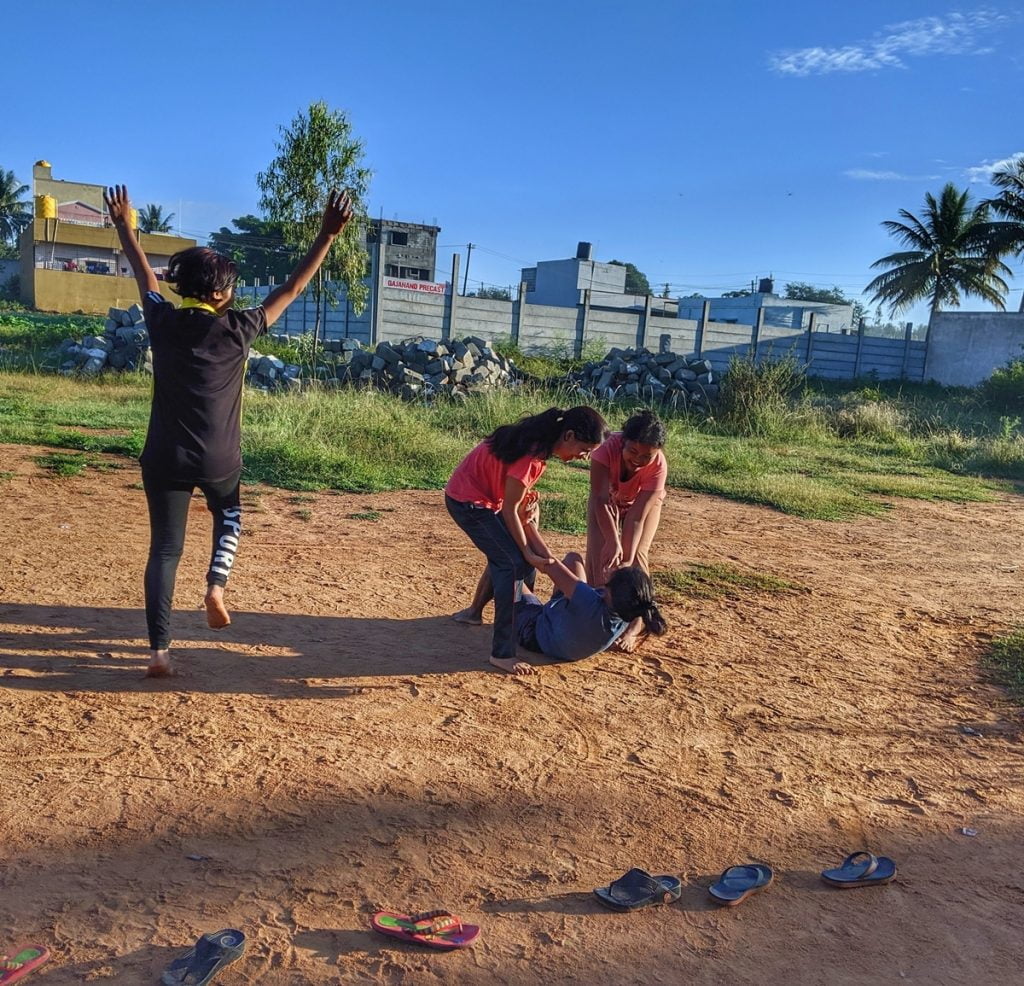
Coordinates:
[625,491]
[480,477]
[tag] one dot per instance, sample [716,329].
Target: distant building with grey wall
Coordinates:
[561,283]
[410,249]
[786,313]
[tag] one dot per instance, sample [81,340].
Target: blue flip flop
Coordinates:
[737,883]
[205,959]
[861,869]
[638,888]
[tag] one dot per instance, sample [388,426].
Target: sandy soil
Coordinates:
[344,748]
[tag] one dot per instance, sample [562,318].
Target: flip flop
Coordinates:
[16,965]
[435,929]
[638,888]
[861,869]
[737,883]
[205,959]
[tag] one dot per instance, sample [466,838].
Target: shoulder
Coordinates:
[154,302]
[527,468]
[606,452]
[247,318]
[586,596]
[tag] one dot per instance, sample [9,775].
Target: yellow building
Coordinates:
[71,258]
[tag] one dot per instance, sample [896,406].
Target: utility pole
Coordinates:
[465,276]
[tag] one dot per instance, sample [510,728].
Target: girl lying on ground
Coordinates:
[580,620]
[627,490]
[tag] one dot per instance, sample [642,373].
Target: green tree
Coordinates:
[1008,205]
[257,247]
[15,212]
[636,280]
[802,291]
[741,293]
[317,152]
[493,294]
[951,254]
[153,220]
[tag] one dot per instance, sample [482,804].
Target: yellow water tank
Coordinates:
[135,218]
[46,207]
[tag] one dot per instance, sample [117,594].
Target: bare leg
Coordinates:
[631,637]
[472,615]
[574,562]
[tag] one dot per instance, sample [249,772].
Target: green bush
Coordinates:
[757,399]
[1004,390]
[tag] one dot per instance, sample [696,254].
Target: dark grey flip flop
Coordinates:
[638,888]
[205,959]
[861,869]
[737,883]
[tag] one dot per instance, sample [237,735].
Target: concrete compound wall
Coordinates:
[965,347]
[405,313]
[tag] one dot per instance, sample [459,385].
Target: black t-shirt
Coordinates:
[199,362]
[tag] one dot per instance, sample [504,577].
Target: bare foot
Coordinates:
[217,615]
[467,617]
[513,665]
[160,665]
[628,642]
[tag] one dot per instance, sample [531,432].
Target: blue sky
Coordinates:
[709,143]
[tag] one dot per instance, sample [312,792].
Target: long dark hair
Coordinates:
[539,433]
[633,595]
[646,428]
[199,272]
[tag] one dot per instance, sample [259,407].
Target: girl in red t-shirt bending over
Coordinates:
[487,498]
[627,489]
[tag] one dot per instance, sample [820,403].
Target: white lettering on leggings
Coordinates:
[227,546]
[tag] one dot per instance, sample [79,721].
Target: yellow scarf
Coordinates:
[196,303]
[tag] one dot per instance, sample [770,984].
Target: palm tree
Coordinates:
[1008,205]
[153,220]
[15,213]
[952,253]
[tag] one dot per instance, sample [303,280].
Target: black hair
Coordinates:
[633,595]
[646,428]
[538,434]
[199,272]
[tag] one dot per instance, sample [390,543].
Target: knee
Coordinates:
[573,559]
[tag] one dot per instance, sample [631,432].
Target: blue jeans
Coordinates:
[508,568]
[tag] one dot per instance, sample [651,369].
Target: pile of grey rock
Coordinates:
[417,368]
[656,377]
[269,373]
[124,345]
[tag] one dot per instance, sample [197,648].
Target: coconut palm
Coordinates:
[15,213]
[952,253]
[153,220]
[1008,205]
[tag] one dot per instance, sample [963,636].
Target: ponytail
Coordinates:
[538,434]
[632,594]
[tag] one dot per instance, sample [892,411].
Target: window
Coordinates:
[414,273]
[397,238]
[391,270]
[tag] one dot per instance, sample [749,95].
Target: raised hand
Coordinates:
[337,213]
[118,205]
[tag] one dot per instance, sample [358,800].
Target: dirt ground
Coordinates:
[343,748]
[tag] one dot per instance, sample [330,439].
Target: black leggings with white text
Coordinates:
[168,514]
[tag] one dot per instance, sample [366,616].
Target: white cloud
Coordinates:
[863,174]
[953,34]
[983,172]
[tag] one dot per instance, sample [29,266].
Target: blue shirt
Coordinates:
[574,628]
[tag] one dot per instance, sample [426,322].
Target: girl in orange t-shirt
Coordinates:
[487,496]
[627,490]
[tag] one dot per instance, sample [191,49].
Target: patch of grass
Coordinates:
[715,581]
[6,476]
[72,464]
[304,514]
[301,498]
[365,515]
[1005,660]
